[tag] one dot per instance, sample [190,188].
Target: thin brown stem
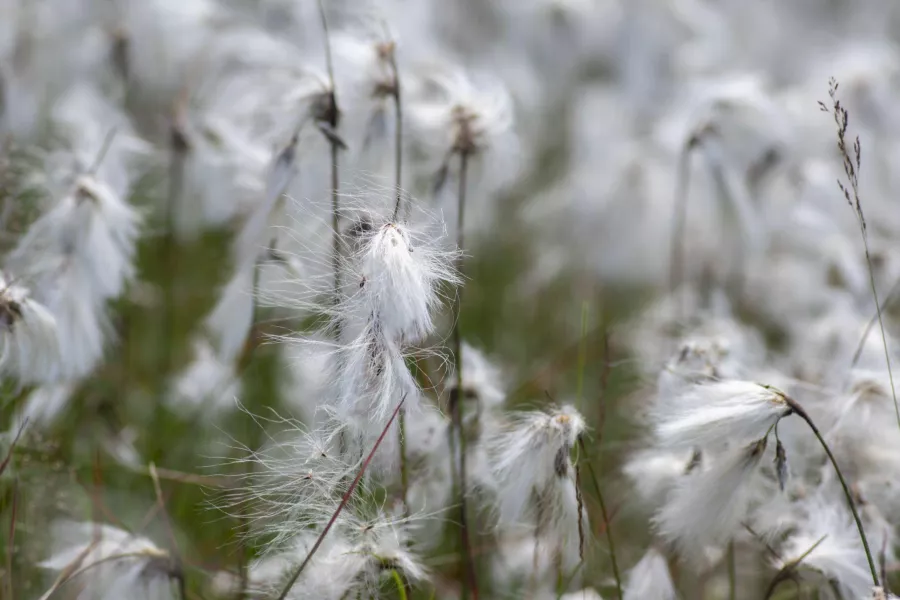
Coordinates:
[398,135]
[347,495]
[404,464]
[332,116]
[11,540]
[12,446]
[457,409]
[169,529]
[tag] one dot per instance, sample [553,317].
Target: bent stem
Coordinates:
[457,408]
[605,515]
[333,116]
[347,495]
[801,412]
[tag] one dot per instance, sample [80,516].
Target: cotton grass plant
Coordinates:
[289,292]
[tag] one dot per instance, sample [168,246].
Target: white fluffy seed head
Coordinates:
[706,507]
[397,273]
[29,346]
[293,484]
[112,232]
[455,114]
[355,557]
[371,377]
[827,547]
[654,472]
[482,382]
[76,257]
[717,414]
[113,563]
[534,475]
[92,226]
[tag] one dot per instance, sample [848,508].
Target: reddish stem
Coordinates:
[343,503]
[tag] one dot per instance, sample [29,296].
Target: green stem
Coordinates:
[801,412]
[606,524]
[401,587]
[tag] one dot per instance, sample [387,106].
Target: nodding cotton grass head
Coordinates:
[717,414]
[392,276]
[650,579]
[654,472]
[92,226]
[29,347]
[76,257]
[370,54]
[113,564]
[463,118]
[705,507]
[543,495]
[482,382]
[450,115]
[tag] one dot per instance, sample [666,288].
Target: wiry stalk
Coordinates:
[605,515]
[179,147]
[875,319]
[398,188]
[801,412]
[398,136]
[346,498]
[404,464]
[457,409]
[11,538]
[331,116]
[852,166]
[582,356]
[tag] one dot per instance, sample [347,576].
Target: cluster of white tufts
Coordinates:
[288,288]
